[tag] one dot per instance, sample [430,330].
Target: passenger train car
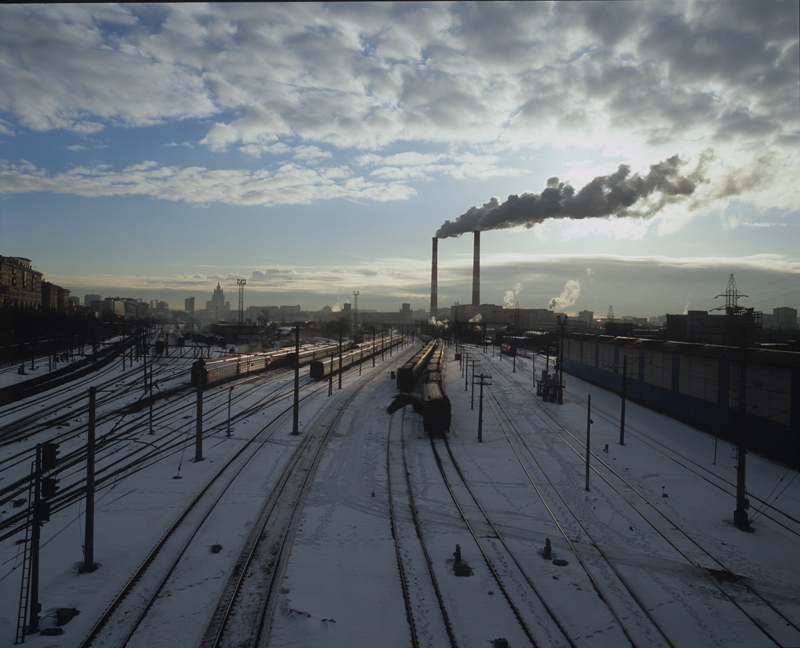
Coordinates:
[325,367]
[206,374]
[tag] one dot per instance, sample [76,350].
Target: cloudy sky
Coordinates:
[625,154]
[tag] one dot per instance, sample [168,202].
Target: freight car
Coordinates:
[436,413]
[508,349]
[323,368]
[410,372]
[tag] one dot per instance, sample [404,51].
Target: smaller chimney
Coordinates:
[434,279]
[476,271]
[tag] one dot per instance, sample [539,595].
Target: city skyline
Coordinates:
[314,150]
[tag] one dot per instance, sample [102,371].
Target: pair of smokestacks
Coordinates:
[476,273]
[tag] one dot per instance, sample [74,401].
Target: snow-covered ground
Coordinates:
[341,586]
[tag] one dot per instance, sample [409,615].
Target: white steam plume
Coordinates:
[511,296]
[569,295]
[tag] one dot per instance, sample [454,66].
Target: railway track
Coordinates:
[127,446]
[130,609]
[422,593]
[148,593]
[766,508]
[705,563]
[243,614]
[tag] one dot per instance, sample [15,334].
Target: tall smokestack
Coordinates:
[434,279]
[476,271]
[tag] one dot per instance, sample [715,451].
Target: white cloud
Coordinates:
[306,82]
[291,184]
[369,76]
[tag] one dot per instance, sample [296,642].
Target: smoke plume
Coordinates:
[569,295]
[617,194]
[511,296]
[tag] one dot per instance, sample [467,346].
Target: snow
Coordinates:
[341,585]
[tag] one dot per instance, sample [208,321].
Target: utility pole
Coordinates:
[198,437]
[296,408]
[562,324]
[150,399]
[89,565]
[588,437]
[472,397]
[356,293]
[740,322]
[482,382]
[241,283]
[740,517]
[624,392]
[230,395]
[340,358]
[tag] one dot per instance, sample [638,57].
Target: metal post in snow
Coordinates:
[588,436]
[480,406]
[296,407]
[198,439]
[624,390]
[151,399]
[472,399]
[89,565]
[230,395]
[340,359]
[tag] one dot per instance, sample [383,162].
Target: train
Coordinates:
[207,374]
[325,367]
[436,414]
[409,373]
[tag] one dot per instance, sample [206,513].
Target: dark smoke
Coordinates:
[617,194]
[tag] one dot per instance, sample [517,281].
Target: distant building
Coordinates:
[784,318]
[586,317]
[89,300]
[522,318]
[218,307]
[54,297]
[188,304]
[20,285]
[697,326]
[123,307]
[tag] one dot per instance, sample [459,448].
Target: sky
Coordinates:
[631,155]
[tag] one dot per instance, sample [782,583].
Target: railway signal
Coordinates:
[48,456]
[49,488]
[43,490]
